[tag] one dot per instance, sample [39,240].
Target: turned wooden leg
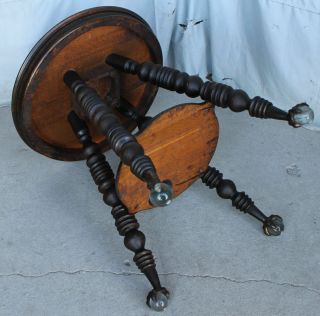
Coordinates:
[218,94]
[129,111]
[126,223]
[213,178]
[121,141]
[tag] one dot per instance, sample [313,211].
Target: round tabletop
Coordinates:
[41,101]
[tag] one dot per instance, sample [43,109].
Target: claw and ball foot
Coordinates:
[273,225]
[158,300]
[300,115]
[161,194]
[213,178]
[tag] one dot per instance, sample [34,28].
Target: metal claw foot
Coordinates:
[273,225]
[300,115]
[158,300]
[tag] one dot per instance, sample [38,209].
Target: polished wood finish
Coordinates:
[193,86]
[103,105]
[127,224]
[226,189]
[41,101]
[180,142]
[120,140]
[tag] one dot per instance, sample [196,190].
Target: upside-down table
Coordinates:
[88,84]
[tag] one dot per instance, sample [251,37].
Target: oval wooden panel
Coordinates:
[180,142]
[41,101]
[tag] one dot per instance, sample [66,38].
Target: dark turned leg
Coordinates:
[121,141]
[216,93]
[272,225]
[129,111]
[126,223]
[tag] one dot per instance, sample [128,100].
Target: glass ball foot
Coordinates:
[300,115]
[273,225]
[161,194]
[158,300]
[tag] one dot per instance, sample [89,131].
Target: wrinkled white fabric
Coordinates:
[266,47]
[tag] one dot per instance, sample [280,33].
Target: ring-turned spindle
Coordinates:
[217,93]
[119,138]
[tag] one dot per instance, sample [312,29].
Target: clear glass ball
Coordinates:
[161,194]
[301,115]
[158,302]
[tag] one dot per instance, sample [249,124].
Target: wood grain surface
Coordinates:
[180,142]
[41,101]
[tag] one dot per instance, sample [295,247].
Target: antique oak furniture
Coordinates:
[89,82]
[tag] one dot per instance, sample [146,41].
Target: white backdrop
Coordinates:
[266,47]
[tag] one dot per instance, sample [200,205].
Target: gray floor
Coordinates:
[61,254]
